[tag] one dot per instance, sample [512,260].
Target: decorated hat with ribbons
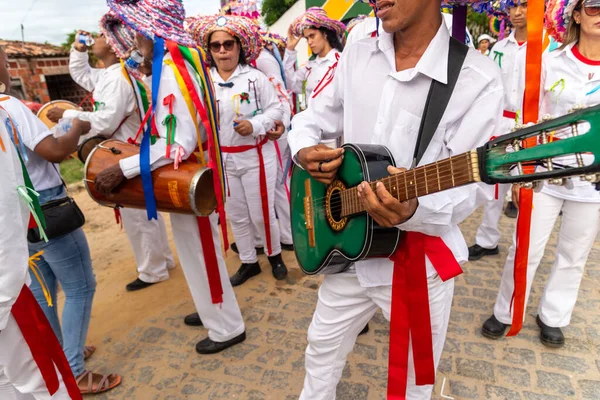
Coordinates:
[316,17]
[243,8]
[248,32]
[118,35]
[275,39]
[154,18]
[558,16]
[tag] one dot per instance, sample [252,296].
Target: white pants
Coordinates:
[244,208]
[488,234]
[149,244]
[580,224]
[223,321]
[20,377]
[343,310]
[282,201]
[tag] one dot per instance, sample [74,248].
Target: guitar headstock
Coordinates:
[558,148]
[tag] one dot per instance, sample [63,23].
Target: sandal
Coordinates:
[88,351]
[97,383]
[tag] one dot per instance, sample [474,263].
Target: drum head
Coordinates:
[87,146]
[64,104]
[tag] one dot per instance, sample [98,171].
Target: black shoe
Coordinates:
[138,284]
[287,247]
[280,271]
[245,272]
[477,252]
[207,346]
[192,320]
[364,331]
[259,250]
[511,211]
[551,337]
[493,329]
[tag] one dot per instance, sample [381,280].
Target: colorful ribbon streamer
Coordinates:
[39,276]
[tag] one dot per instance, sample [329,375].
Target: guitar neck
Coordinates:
[431,178]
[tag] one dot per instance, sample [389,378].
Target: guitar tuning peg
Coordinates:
[577,107]
[589,178]
[530,185]
[546,118]
[557,181]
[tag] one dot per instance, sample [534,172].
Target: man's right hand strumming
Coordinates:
[321,162]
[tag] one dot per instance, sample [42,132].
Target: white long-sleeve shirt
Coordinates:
[312,72]
[268,65]
[369,102]
[511,58]
[14,217]
[116,112]
[262,108]
[186,135]
[569,80]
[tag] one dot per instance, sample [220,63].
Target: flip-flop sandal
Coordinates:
[103,386]
[88,351]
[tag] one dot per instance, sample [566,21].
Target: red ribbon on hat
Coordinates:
[410,315]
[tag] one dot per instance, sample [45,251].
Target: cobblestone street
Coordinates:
[142,336]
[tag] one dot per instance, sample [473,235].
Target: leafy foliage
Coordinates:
[478,23]
[272,10]
[71,39]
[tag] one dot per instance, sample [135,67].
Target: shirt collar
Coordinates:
[241,69]
[331,56]
[431,64]
[114,67]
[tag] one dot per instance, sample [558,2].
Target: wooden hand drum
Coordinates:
[64,104]
[187,190]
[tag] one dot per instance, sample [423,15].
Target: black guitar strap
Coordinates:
[438,99]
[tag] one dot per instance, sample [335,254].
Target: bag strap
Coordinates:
[438,99]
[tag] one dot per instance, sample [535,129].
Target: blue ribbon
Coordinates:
[591,92]
[145,170]
[20,146]
[277,56]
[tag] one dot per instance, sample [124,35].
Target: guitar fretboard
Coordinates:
[431,178]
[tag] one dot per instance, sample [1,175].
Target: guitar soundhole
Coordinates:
[333,208]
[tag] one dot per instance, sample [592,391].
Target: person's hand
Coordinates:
[243,128]
[55,114]
[80,46]
[277,131]
[292,39]
[109,179]
[321,162]
[516,194]
[386,210]
[82,126]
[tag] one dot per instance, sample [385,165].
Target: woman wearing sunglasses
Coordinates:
[570,79]
[248,111]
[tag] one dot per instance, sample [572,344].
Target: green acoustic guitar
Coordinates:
[331,229]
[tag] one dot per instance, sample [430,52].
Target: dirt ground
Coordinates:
[141,335]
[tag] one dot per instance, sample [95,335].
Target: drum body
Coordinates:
[64,104]
[187,190]
[88,145]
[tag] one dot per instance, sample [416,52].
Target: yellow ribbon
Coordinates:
[191,108]
[39,276]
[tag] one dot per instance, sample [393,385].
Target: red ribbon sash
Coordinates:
[264,192]
[44,345]
[210,259]
[410,316]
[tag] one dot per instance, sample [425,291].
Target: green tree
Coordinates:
[71,39]
[478,23]
[272,10]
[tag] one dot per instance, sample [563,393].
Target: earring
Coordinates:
[2,87]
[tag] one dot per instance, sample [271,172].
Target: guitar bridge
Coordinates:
[309,213]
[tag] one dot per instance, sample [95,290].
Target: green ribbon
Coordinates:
[498,56]
[97,105]
[560,82]
[33,203]
[171,123]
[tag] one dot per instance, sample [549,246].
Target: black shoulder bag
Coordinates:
[438,99]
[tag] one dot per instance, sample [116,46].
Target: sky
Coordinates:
[53,20]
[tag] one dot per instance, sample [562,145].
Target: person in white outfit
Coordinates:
[510,55]
[380,99]
[570,78]
[196,238]
[20,376]
[118,116]
[483,44]
[248,109]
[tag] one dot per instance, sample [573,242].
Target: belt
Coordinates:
[264,192]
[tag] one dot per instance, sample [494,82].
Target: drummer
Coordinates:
[118,109]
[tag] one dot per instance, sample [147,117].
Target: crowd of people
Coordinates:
[233,90]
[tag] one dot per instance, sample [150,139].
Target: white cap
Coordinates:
[486,37]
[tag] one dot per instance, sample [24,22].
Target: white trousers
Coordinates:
[488,234]
[223,321]
[244,208]
[282,201]
[20,377]
[149,244]
[343,310]
[578,230]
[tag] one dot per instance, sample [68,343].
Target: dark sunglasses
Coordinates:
[216,46]
[592,11]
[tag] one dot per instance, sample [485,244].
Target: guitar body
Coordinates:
[338,242]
